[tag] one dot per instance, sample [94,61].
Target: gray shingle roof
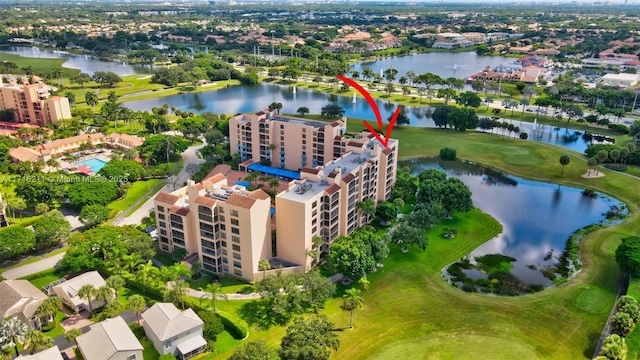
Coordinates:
[166,321]
[19,296]
[52,353]
[107,338]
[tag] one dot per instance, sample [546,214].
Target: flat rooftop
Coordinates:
[347,164]
[318,124]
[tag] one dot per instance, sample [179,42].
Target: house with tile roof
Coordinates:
[68,291]
[52,353]
[20,299]
[110,339]
[173,331]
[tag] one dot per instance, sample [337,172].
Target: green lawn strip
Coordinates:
[633,340]
[137,190]
[164,92]
[149,352]
[39,65]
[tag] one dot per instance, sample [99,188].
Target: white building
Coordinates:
[110,339]
[622,80]
[68,291]
[173,331]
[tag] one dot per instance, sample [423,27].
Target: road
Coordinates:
[25,270]
[188,157]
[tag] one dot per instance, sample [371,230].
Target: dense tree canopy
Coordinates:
[628,256]
[16,241]
[95,247]
[51,229]
[98,191]
[310,339]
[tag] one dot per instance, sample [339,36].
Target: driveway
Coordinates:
[189,157]
[76,321]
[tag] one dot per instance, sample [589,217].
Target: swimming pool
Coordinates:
[94,164]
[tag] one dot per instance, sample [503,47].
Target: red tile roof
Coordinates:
[165,197]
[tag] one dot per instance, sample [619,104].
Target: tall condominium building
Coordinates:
[33,103]
[286,142]
[230,227]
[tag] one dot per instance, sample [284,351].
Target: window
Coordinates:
[167,344]
[237,272]
[237,256]
[235,239]
[221,210]
[160,208]
[237,264]
[222,218]
[161,216]
[162,224]
[234,222]
[131,357]
[235,231]
[236,247]
[233,212]
[315,203]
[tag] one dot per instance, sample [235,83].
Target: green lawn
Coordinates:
[58,330]
[149,352]
[633,340]
[410,311]
[39,65]
[137,190]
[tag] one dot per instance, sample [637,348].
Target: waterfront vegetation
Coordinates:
[432,317]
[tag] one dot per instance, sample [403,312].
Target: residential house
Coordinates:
[52,353]
[20,299]
[110,339]
[123,141]
[68,291]
[173,331]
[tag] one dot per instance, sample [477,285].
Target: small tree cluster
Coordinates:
[448,154]
[356,255]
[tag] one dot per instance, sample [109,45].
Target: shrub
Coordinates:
[448,154]
[167,357]
[623,129]
[524,136]
[137,330]
[235,325]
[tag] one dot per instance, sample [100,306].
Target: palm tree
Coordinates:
[137,304]
[364,285]
[92,99]
[352,300]
[72,334]
[564,161]
[177,292]
[614,155]
[601,156]
[35,340]
[147,272]
[87,292]
[264,265]
[214,290]
[104,294]
[115,282]
[48,309]
[130,262]
[13,331]
[367,207]
[592,163]
[179,269]
[52,163]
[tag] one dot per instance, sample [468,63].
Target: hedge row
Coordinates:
[231,322]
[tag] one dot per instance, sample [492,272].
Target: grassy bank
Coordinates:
[411,312]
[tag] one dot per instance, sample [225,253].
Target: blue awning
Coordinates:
[287,174]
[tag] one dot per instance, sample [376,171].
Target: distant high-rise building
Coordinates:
[32,103]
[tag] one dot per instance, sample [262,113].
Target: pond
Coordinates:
[244,99]
[444,64]
[537,217]
[85,63]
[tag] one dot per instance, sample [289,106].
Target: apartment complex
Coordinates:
[33,103]
[230,228]
[286,142]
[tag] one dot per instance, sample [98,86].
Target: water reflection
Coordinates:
[537,217]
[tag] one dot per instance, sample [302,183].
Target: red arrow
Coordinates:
[376,111]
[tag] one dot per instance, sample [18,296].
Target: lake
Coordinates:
[444,64]
[537,217]
[244,99]
[85,63]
